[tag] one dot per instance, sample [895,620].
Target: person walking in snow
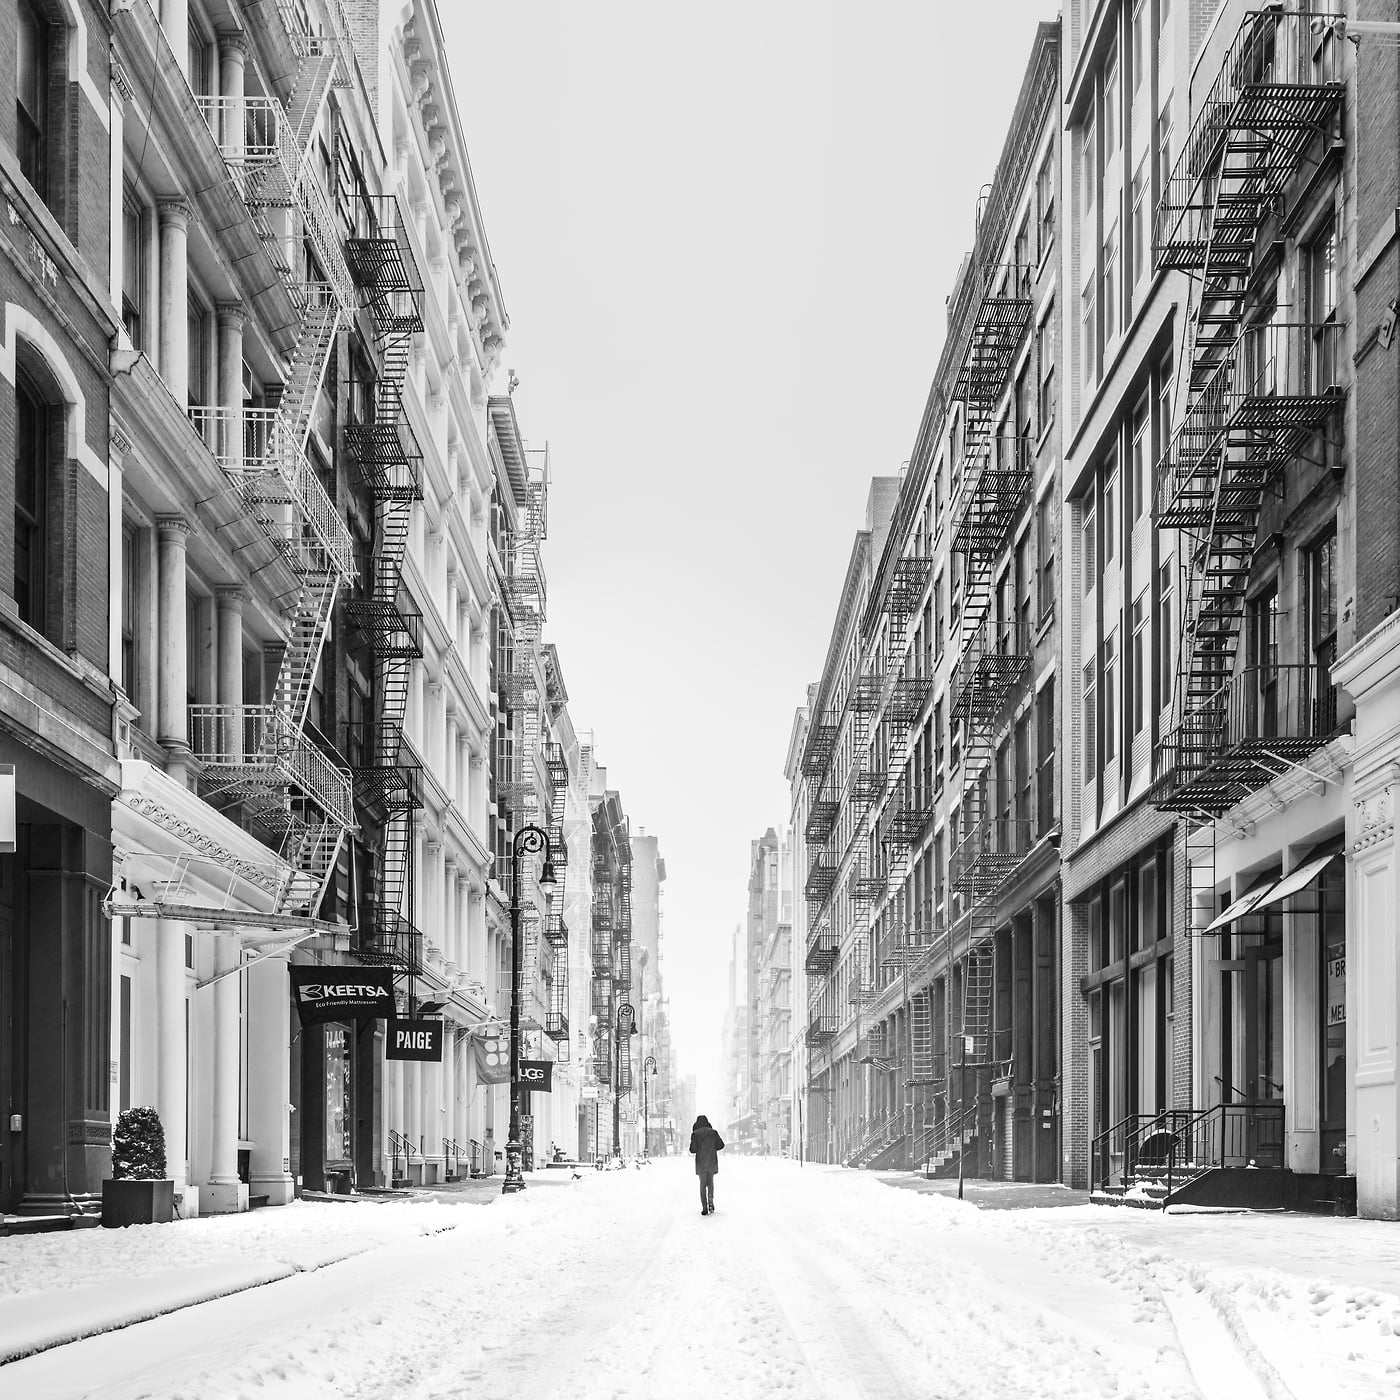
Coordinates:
[706,1144]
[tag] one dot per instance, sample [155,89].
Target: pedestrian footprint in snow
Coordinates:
[706,1144]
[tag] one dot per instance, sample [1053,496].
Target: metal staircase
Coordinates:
[993,656]
[383,451]
[1259,391]
[260,759]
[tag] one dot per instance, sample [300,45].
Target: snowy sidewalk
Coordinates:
[59,1288]
[809,1284]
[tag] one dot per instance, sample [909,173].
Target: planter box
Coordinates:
[137,1202]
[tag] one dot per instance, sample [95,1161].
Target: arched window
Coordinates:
[32,55]
[35,420]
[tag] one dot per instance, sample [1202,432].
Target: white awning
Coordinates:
[1271,893]
[1239,908]
[1296,880]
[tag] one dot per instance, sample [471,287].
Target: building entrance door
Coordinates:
[12,1172]
[1263,1085]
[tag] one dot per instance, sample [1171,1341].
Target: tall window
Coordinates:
[1139,226]
[1090,551]
[1141,466]
[133,270]
[1112,95]
[1322,624]
[1091,723]
[1025,421]
[1021,253]
[34,423]
[1110,697]
[130,564]
[198,355]
[1045,757]
[1140,49]
[1322,307]
[1045,553]
[1045,368]
[1110,510]
[1166,636]
[1141,663]
[31,97]
[1164,145]
[1263,660]
[1045,202]
[1110,283]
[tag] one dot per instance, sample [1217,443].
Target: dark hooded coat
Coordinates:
[706,1144]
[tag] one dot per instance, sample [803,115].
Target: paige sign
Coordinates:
[536,1075]
[414,1040]
[342,993]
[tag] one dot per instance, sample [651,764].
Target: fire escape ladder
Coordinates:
[1259,389]
[978,982]
[921,1070]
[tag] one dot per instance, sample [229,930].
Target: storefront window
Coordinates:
[337,1094]
[1333,1012]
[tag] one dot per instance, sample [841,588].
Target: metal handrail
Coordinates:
[257,447]
[262,739]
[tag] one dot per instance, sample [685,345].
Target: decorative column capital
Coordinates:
[174,529]
[231,314]
[118,443]
[233,44]
[231,598]
[174,213]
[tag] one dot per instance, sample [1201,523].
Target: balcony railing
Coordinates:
[995,486]
[1282,80]
[821,742]
[1259,724]
[821,953]
[820,1029]
[257,450]
[382,261]
[993,666]
[908,813]
[1273,389]
[989,853]
[255,748]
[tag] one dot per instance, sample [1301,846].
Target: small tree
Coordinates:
[138,1146]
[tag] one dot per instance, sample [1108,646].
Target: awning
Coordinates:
[1297,880]
[1271,892]
[1240,907]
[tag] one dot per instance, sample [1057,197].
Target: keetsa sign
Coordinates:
[342,993]
[414,1040]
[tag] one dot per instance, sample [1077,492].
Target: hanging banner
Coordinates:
[414,1040]
[492,1058]
[537,1075]
[342,993]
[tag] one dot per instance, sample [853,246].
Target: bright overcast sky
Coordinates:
[725,234]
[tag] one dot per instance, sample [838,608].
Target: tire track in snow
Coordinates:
[842,1359]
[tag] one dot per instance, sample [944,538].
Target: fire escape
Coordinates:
[1261,388]
[823,813]
[993,657]
[556,931]
[260,759]
[381,448]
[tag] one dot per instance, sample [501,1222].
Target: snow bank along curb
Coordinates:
[35,1322]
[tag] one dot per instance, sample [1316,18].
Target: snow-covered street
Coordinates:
[806,1282]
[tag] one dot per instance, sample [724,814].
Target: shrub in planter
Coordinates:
[138,1192]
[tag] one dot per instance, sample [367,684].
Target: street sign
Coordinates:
[415,1040]
[342,993]
[589,1091]
[537,1075]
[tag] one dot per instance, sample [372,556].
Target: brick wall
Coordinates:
[1375,134]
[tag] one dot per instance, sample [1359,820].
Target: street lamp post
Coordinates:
[529,840]
[648,1070]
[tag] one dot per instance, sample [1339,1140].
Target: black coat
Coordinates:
[706,1144]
